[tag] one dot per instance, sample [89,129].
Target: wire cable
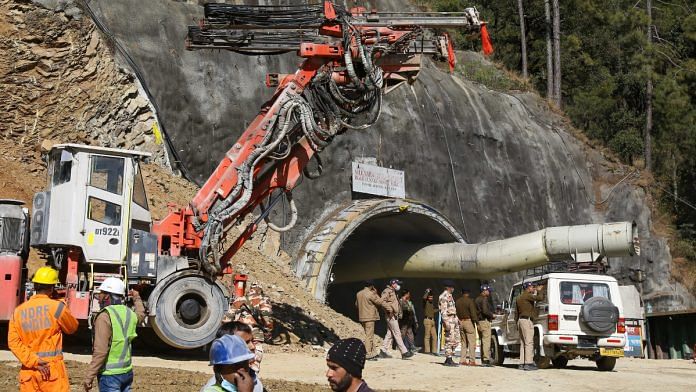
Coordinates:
[449,154]
[138,74]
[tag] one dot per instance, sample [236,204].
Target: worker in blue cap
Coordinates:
[230,356]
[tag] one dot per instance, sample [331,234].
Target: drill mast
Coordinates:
[350,58]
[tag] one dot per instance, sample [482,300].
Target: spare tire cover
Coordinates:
[600,314]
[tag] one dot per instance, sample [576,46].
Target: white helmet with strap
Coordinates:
[114,286]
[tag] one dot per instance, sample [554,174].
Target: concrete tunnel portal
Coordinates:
[380,239]
[339,256]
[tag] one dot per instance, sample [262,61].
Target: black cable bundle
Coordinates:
[264,16]
[252,42]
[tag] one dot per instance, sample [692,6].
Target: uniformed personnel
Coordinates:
[430,333]
[467,315]
[448,315]
[393,312]
[367,301]
[526,315]
[408,322]
[485,316]
[254,309]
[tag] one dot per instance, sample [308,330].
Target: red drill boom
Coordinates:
[351,57]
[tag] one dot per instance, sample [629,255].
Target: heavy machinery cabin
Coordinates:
[93,221]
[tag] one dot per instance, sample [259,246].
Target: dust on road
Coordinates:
[304,372]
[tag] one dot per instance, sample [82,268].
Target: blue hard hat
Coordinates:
[228,350]
[486,287]
[527,284]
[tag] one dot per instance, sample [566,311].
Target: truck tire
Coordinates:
[560,362]
[606,364]
[188,312]
[600,314]
[497,352]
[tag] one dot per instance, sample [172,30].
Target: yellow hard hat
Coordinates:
[46,275]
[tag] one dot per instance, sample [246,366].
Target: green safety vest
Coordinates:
[214,388]
[123,323]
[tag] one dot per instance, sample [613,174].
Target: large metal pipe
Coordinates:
[480,261]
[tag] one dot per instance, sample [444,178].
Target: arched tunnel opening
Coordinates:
[385,228]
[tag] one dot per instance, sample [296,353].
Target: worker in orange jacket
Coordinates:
[36,336]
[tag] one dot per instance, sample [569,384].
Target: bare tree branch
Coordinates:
[673,51]
[685,7]
[672,61]
[657,36]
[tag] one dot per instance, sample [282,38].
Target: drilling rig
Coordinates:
[93,220]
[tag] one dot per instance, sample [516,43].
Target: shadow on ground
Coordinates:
[294,326]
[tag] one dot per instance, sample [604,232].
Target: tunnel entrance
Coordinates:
[339,256]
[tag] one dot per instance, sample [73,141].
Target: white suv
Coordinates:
[582,316]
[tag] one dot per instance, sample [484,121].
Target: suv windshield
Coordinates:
[576,293]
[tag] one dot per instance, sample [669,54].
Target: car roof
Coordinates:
[570,276]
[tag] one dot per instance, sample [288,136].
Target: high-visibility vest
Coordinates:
[214,388]
[123,323]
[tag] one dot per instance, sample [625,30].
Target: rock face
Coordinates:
[60,81]
[496,164]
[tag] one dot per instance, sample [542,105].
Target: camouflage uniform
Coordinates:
[448,314]
[262,309]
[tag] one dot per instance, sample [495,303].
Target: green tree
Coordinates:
[606,60]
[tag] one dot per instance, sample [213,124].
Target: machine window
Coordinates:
[107,174]
[104,212]
[139,195]
[61,167]
[577,293]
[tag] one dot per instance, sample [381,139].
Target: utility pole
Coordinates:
[523,38]
[549,54]
[647,142]
[557,52]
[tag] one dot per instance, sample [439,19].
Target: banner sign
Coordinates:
[377,180]
[633,347]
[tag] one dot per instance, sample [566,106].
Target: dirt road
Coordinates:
[305,372]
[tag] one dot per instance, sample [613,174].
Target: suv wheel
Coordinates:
[541,362]
[560,362]
[497,353]
[606,364]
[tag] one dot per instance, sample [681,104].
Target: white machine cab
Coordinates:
[95,196]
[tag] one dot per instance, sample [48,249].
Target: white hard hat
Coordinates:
[114,286]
